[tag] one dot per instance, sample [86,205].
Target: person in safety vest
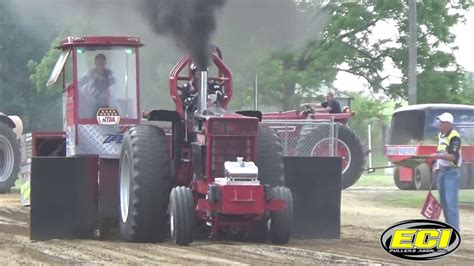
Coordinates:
[447,168]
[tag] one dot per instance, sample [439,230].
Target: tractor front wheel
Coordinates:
[181,209]
[145,185]
[280,221]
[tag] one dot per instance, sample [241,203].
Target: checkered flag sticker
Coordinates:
[108,116]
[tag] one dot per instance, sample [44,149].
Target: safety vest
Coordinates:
[443,144]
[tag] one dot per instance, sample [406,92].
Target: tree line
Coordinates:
[295,48]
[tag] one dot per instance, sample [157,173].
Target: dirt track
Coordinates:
[362,219]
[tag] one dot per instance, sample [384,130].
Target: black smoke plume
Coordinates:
[190,22]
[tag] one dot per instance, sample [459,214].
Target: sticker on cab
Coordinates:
[420,240]
[108,116]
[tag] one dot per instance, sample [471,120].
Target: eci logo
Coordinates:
[420,239]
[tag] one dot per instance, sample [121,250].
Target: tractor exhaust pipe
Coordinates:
[203,93]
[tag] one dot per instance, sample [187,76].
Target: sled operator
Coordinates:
[447,163]
[329,106]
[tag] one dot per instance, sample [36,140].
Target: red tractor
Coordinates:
[413,134]
[310,134]
[207,166]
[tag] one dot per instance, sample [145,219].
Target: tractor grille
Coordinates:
[228,149]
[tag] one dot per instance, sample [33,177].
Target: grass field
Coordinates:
[378,178]
[378,160]
[416,199]
[400,198]
[375,180]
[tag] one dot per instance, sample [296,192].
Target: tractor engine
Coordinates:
[231,198]
[240,171]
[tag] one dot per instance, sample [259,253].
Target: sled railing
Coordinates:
[295,137]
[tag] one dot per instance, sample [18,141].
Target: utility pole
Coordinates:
[412,53]
[255,95]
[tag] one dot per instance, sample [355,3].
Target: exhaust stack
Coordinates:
[203,93]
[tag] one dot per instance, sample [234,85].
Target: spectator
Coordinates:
[330,105]
[447,168]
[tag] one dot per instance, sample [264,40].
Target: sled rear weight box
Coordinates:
[63,197]
[316,186]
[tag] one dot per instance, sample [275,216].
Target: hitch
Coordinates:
[371,170]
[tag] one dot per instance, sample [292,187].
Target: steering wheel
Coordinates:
[308,108]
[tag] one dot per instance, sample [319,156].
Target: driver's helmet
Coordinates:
[193,72]
[213,87]
[215,91]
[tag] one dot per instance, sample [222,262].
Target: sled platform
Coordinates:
[316,186]
[64,197]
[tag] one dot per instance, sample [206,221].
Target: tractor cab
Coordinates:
[98,76]
[99,79]
[414,135]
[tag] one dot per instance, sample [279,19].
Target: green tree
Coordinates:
[369,111]
[467,94]
[45,117]
[17,47]
[440,79]
[347,44]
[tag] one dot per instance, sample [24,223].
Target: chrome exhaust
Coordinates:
[203,93]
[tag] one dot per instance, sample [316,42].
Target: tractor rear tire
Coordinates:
[269,157]
[9,158]
[402,185]
[422,177]
[311,138]
[145,185]
[280,221]
[181,209]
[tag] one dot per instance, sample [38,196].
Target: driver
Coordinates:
[188,92]
[189,88]
[329,106]
[215,93]
[95,86]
